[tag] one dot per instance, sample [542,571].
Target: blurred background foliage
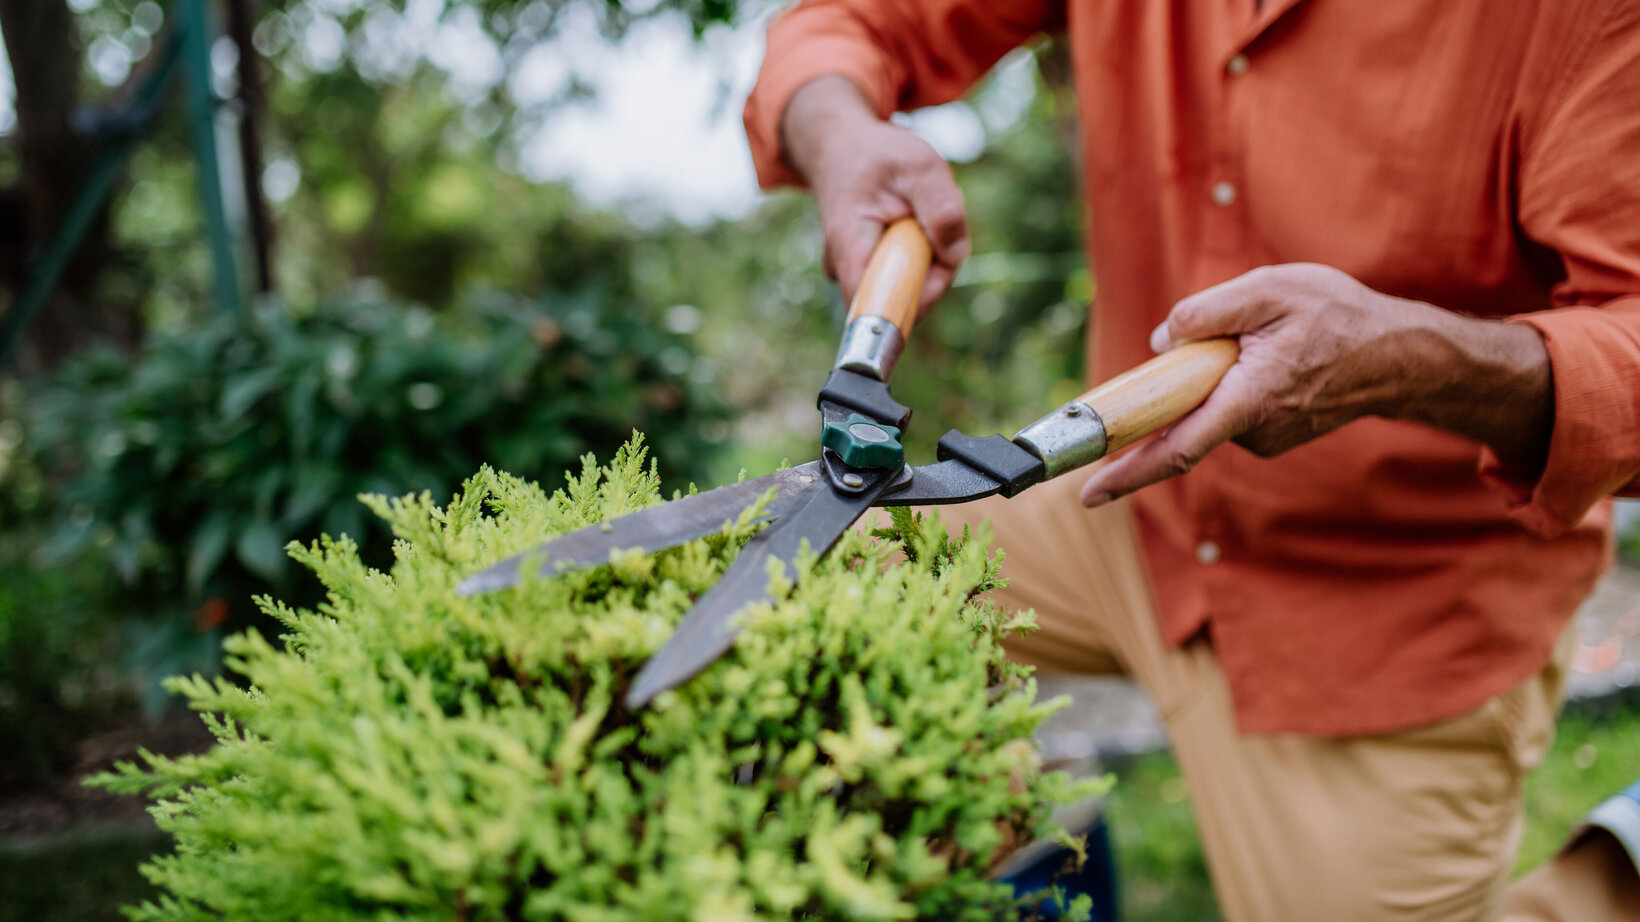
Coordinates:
[185,473]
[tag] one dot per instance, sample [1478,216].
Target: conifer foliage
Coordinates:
[862,753]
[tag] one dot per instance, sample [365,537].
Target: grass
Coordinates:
[1160,870]
[1164,876]
[1595,756]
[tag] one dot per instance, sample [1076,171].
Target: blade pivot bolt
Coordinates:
[853,480]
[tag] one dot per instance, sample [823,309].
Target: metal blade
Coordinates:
[943,483]
[654,529]
[819,520]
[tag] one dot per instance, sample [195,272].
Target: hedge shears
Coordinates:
[862,464]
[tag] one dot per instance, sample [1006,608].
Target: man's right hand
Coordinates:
[866,173]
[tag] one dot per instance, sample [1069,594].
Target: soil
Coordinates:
[68,805]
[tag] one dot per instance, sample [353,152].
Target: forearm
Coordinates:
[1487,380]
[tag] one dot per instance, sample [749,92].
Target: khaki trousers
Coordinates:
[1420,825]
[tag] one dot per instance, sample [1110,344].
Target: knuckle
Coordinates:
[1265,281]
[948,232]
[1178,461]
[1269,446]
[923,155]
[921,163]
[1186,315]
[1259,444]
[947,215]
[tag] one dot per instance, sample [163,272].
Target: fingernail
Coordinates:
[1160,341]
[1097,499]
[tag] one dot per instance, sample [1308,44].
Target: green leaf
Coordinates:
[317,486]
[126,555]
[67,542]
[241,394]
[301,402]
[209,545]
[345,518]
[261,548]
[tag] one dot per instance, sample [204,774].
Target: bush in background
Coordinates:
[55,677]
[185,474]
[863,751]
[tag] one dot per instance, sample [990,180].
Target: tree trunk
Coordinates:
[39,38]
[241,16]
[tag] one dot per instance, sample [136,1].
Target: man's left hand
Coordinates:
[1318,350]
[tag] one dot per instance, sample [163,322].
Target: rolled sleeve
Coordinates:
[1594,448]
[1579,195]
[902,54]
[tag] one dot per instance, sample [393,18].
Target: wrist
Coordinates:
[819,114]
[1490,381]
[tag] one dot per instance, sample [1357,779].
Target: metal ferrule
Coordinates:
[871,346]
[1065,439]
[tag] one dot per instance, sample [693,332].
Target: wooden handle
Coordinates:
[893,283]
[1144,399]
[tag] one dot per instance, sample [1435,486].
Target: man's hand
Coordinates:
[1319,349]
[866,173]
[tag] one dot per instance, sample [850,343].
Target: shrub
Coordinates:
[52,688]
[863,752]
[188,472]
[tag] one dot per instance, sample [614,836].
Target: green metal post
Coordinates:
[43,281]
[196,40]
[98,186]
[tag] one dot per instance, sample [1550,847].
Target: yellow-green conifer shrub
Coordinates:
[863,753]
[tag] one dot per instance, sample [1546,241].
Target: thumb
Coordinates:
[1160,339]
[1241,305]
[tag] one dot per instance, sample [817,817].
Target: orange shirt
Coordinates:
[1482,156]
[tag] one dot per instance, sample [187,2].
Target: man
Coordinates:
[1422,220]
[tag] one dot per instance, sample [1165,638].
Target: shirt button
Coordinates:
[1237,65]
[1207,553]
[1223,193]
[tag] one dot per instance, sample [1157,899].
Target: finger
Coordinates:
[1171,454]
[1247,302]
[1224,416]
[937,202]
[849,243]
[939,280]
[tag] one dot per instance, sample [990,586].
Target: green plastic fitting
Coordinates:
[863,442]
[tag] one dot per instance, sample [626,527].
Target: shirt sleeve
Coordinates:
[1579,197]
[903,54]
